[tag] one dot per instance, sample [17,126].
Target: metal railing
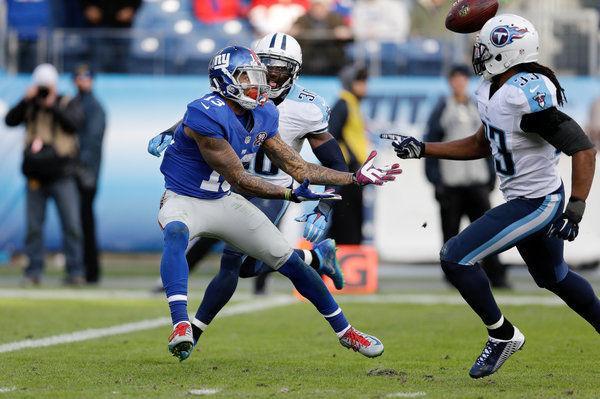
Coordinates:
[570,44]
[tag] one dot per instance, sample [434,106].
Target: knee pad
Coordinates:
[551,280]
[231,262]
[176,232]
[449,252]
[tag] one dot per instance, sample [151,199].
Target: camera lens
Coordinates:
[43,92]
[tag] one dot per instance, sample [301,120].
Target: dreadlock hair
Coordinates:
[534,67]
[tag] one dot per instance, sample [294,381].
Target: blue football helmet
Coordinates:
[236,73]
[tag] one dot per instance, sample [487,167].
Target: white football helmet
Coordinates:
[504,41]
[282,56]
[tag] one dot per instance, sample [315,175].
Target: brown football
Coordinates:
[468,16]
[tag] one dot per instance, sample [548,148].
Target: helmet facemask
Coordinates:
[281,73]
[481,55]
[250,87]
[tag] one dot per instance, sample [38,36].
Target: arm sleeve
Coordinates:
[330,155]
[203,123]
[558,129]
[16,115]
[434,133]
[69,116]
[337,119]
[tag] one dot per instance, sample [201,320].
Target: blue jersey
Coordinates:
[186,172]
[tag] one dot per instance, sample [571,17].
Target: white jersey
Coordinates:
[526,164]
[301,113]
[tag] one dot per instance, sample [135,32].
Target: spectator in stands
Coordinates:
[28,19]
[347,125]
[323,37]
[91,134]
[593,126]
[391,16]
[344,9]
[212,12]
[110,14]
[110,50]
[428,18]
[461,188]
[49,161]
[268,16]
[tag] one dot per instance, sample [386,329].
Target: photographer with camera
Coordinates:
[49,161]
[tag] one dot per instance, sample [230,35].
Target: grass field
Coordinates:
[288,351]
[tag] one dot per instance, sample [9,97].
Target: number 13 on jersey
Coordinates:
[503,158]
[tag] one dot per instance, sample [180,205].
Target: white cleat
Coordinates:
[181,340]
[365,344]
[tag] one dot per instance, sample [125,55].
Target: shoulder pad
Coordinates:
[531,92]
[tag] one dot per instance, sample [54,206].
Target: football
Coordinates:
[467,16]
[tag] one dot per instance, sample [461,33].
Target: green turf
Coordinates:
[289,352]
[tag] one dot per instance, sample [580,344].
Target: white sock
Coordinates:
[498,324]
[308,258]
[341,333]
[199,324]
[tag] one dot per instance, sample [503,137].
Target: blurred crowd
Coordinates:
[326,28]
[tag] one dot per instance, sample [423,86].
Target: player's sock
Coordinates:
[473,285]
[197,329]
[221,288]
[503,329]
[580,296]
[309,284]
[174,269]
[309,257]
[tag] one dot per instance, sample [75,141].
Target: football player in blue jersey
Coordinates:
[219,132]
[525,132]
[303,116]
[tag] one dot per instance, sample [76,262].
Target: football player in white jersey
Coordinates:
[525,132]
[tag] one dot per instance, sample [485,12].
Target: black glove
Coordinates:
[567,226]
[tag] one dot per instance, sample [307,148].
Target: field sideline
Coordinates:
[276,347]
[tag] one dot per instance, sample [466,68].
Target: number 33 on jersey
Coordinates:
[525,162]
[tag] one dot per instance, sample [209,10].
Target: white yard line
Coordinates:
[417,299]
[85,294]
[93,333]
[247,307]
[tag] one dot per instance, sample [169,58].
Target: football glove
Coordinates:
[369,174]
[160,142]
[304,193]
[406,147]
[316,221]
[567,226]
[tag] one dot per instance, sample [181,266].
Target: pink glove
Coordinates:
[369,174]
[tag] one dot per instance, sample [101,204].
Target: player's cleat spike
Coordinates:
[181,340]
[367,345]
[328,263]
[495,353]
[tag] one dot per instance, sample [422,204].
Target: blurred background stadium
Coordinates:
[151,60]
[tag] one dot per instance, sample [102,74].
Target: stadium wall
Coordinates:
[131,185]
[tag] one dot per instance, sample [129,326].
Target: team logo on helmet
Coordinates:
[505,34]
[540,98]
[260,138]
